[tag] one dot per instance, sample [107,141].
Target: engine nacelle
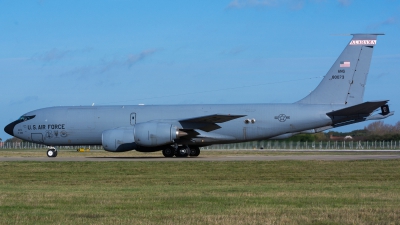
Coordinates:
[152,134]
[118,140]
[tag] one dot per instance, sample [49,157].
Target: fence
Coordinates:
[270,145]
[29,145]
[329,145]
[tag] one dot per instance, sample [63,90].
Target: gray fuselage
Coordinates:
[80,125]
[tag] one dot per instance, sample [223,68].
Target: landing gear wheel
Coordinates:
[52,152]
[168,152]
[194,151]
[182,151]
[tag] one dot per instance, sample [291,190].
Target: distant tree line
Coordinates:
[13,139]
[376,131]
[383,132]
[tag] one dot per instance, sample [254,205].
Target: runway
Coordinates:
[205,158]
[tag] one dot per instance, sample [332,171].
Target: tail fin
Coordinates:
[345,81]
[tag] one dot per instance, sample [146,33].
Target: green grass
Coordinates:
[273,192]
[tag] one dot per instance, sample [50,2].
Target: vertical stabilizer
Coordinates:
[345,81]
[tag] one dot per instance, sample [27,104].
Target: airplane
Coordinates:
[180,130]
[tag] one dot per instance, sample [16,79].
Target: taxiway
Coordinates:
[207,158]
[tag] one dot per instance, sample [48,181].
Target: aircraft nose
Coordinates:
[9,129]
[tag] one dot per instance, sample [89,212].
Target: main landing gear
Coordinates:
[181,151]
[52,152]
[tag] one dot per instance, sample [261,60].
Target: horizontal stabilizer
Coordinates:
[359,113]
[363,108]
[379,116]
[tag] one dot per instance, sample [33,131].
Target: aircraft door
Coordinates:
[37,137]
[133,118]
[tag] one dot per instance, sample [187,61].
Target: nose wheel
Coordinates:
[52,152]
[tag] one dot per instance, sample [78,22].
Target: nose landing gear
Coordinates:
[52,152]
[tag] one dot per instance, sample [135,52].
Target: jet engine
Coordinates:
[118,140]
[142,137]
[152,134]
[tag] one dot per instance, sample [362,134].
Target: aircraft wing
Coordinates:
[359,113]
[216,118]
[207,123]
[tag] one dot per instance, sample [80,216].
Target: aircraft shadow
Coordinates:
[140,157]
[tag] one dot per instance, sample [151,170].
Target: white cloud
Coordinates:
[382,74]
[131,60]
[344,2]
[25,100]
[292,4]
[251,3]
[82,70]
[53,54]
[56,54]
[233,51]
[106,65]
[387,22]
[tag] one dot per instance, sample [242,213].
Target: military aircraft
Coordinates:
[180,130]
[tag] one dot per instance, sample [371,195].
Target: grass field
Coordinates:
[247,192]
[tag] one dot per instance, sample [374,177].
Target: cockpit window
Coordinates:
[25,118]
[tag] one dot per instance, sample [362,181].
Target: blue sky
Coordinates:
[186,52]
